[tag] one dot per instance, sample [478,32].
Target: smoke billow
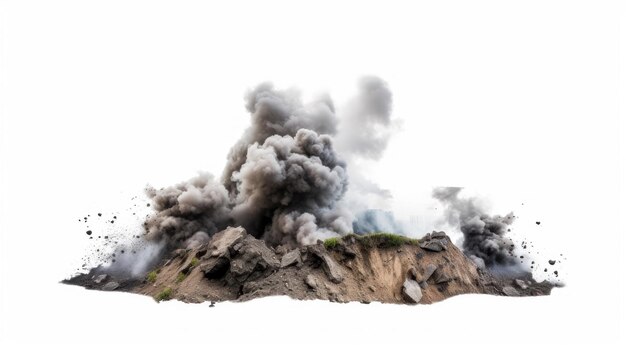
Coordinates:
[485,240]
[284,181]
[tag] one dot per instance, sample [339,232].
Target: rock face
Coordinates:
[330,266]
[412,291]
[236,266]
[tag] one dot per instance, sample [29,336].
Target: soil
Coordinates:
[234,266]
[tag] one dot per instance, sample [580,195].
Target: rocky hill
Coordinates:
[381,267]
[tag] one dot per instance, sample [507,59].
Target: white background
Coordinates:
[517,101]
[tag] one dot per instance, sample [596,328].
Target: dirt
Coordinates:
[234,266]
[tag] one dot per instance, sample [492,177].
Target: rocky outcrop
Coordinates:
[234,265]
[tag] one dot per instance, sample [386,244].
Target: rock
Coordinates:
[215,267]
[411,291]
[348,251]
[372,289]
[552,262]
[510,291]
[521,284]
[311,281]
[331,268]
[438,235]
[221,242]
[433,245]
[440,277]
[99,279]
[291,258]
[430,269]
[254,259]
[110,286]
[423,285]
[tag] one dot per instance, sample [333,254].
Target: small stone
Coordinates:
[552,262]
[510,291]
[99,279]
[521,284]
[538,223]
[423,285]
[311,281]
[110,286]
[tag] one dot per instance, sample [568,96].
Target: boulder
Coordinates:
[331,268]
[510,291]
[411,291]
[254,259]
[215,267]
[99,279]
[438,235]
[428,272]
[221,242]
[433,245]
[110,286]
[291,258]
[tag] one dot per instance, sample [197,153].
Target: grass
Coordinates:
[373,239]
[151,277]
[164,295]
[331,243]
[194,262]
[180,277]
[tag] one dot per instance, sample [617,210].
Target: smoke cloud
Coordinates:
[485,240]
[284,180]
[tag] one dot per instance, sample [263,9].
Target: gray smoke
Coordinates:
[485,240]
[366,125]
[283,180]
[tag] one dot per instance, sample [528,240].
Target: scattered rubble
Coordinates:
[234,265]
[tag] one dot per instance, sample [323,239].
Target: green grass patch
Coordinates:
[331,243]
[373,240]
[180,277]
[194,262]
[164,295]
[151,277]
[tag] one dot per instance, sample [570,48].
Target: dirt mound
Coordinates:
[380,267]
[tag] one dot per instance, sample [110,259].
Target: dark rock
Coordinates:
[215,267]
[423,285]
[538,223]
[254,259]
[412,273]
[291,258]
[411,291]
[552,262]
[440,277]
[428,272]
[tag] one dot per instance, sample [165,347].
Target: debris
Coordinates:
[99,279]
[510,291]
[311,281]
[411,291]
[110,286]
[291,258]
